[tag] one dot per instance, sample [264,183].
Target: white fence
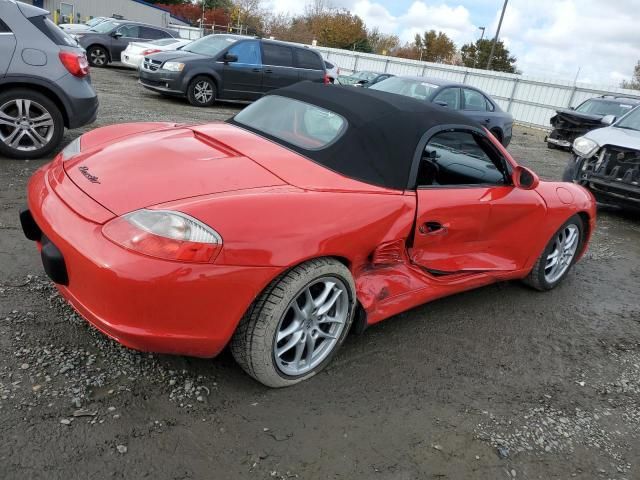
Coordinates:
[531,101]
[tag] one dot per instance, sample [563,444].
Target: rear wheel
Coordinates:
[558,257]
[201,92]
[294,328]
[31,125]
[98,56]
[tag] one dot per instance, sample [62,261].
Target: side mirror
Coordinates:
[525,178]
[608,120]
[229,58]
[116,35]
[442,104]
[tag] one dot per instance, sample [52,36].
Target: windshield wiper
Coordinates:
[628,128]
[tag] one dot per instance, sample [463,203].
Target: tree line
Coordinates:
[339,28]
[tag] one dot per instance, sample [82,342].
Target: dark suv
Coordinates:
[230,67]
[107,40]
[44,82]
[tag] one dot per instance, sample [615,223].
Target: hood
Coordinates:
[154,167]
[620,137]
[179,56]
[578,117]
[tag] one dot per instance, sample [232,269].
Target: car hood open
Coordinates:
[149,168]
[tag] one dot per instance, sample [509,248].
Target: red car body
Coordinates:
[274,209]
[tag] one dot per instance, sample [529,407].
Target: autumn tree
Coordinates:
[476,55]
[381,43]
[634,84]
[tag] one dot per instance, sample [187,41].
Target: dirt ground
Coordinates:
[502,382]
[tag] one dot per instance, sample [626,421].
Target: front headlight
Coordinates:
[71,150]
[173,66]
[585,147]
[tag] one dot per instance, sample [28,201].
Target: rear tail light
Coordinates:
[326,79]
[165,234]
[75,63]
[149,51]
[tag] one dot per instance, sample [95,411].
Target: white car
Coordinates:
[135,52]
[332,71]
[82,27]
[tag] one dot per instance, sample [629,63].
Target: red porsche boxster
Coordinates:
[314,210]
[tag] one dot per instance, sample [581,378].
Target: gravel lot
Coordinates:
[502,382]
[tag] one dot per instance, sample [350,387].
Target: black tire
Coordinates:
[496,132]
[536,278]
[252,344]
[26,147]
[569,173]
[98,56]
[202,91]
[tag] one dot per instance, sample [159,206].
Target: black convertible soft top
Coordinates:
[383,132]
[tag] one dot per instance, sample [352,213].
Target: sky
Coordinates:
[596,40]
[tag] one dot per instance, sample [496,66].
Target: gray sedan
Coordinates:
[468,100]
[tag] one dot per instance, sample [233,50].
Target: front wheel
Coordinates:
[201,92]
[558,257]
[294,328]
[31,125]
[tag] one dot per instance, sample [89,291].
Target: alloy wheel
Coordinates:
[311,326]
[25,125]
[203,92]
[98,57]
[564,248]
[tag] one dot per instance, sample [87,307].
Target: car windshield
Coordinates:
[210,45]
[364,76]
[630,121]
[95,21]
[105,27]
[408,87]
[292,121]
[598,107]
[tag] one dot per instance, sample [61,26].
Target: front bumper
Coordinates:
[558,142]
[162,81]
[608,187]
[144,303]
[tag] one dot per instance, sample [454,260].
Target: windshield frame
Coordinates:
[225,40]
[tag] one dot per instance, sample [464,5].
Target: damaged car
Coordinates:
[607,162]
[571,123]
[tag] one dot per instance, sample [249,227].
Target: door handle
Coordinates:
[256,69]
[433,228]
[268,71]
[486,120]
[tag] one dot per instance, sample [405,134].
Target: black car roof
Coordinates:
[383,134]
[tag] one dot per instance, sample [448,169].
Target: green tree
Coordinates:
[476,55]
[634,84]
[435,46]
[382,43]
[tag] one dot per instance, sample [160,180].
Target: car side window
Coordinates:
[277,55]
[474,100]
[308,59]
[461,157]
[248,53]
[4,28]
[152,33]
[130,31]
[450,96]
